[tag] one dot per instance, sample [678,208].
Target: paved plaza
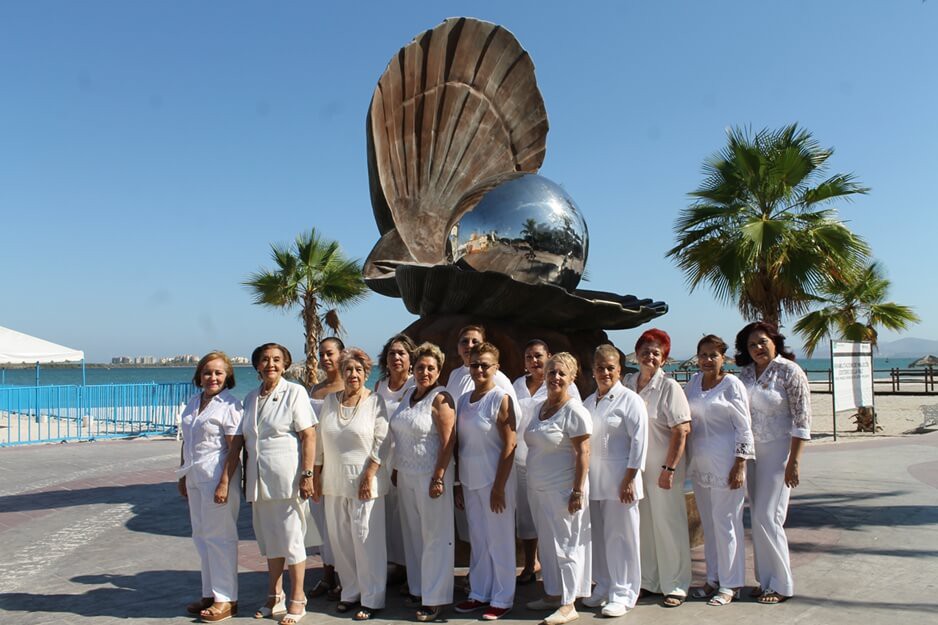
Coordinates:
[96,533]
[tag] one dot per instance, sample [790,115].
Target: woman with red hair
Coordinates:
[665,546]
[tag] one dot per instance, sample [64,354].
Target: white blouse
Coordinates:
[350,436]
[667,407]
[413,429]
[480,444]
[720,430]
[619,441]
[204,446]
[551,458]
[460,382]
[391,401]
[779,400]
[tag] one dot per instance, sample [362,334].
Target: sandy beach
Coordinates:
[897,414]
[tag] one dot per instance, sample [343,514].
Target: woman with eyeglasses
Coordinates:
[485,426]
[780,405]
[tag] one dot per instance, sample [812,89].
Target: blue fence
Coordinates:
[48,414]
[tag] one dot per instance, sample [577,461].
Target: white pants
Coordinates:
[215,534]
[616,559]
[665,542]
[359,545]
[393,527]
[564,544]
[428,537]
[524,519]
[721,515]
[492,537]
[318,512]
[768,505]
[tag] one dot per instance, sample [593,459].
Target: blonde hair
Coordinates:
[427,349]
[207,358]
[568,361]
[484,348]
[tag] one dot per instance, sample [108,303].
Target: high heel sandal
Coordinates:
[279,606]
[292,619]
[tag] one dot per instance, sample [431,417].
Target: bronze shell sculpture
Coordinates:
[457,130]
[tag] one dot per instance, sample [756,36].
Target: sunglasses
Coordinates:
[483,366]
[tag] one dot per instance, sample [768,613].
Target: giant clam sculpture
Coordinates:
[457,130]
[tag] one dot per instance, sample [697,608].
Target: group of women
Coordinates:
[594,488]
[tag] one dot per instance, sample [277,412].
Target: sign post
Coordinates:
[852,374]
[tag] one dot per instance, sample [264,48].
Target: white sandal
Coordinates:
[292,619]
[280,607]
[723,596]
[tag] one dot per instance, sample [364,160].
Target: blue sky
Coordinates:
[151,151]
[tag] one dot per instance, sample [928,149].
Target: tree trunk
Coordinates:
[312,329]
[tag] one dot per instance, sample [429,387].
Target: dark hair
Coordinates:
[409,347]
[771,330]
[333,339]
[535,343]
[207,358]
[655,335]
[471,328]
[714,340]
[256,354]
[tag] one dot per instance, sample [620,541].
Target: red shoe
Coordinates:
[493,614]
[469,605]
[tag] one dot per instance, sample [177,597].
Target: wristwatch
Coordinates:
[306,473]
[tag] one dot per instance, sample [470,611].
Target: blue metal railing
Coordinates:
[46,414]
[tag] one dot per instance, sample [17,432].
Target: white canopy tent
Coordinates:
[18,348]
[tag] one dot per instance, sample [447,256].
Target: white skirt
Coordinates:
[284,528]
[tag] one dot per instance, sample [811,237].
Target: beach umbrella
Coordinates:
[926,361]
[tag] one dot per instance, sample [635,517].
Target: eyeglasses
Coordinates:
[759,343]
[483,366]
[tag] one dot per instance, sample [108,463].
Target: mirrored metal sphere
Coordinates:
[526,227]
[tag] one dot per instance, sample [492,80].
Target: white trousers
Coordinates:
[665,542]
[428,537]
[524,520]
[492,538]
[616,558]
[768,506]
[359,544]
[318,512]
[215,534]
[393,527]
[721,516]
[563,543]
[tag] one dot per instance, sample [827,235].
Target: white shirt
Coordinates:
[204,446]
[460,382]
[413,429]
[350,436]
[480,444]
[391,401]
[779,400]
[270,427]
[667,407]
[526,401]
[720,430]
[551,458]
[619,441]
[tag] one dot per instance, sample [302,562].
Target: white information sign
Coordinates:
[852,367]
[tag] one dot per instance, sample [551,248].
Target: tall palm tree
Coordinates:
[760,232]
[855,308]
[310,272]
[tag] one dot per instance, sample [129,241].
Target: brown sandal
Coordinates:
[215,613]
[673,601]
[770,597]
[197,606]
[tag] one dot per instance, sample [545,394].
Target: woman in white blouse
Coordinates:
[330,350]
[558,463]
[780,405]
[350,462]
[280,439]
[720,445]
[424,425]
[395,362]
[617,457]
[210,479]
[485,425]
[665,542]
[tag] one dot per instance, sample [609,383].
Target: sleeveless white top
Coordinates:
[480,445]
[348,439]
[414,433]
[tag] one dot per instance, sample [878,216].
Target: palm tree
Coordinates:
[759,232]
[855,308]
[310,272]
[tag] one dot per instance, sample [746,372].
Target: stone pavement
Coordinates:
[96,533]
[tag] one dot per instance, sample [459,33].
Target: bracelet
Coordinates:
[578,493]
[667,468]
[437,480]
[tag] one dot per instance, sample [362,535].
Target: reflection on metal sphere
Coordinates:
[526,227]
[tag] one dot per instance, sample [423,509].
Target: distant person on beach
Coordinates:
[210,480]
[558,440]
[780,405]
[395,363]
[485,424]
[619,443]
[720,444]
[330,350]
[350,467]
[280,437]
[664,539]
[423,428]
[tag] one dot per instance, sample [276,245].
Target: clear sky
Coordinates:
[151,151]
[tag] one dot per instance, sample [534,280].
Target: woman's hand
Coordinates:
[317,487]
[737,474]
[221,492]
[627,491]
[792,473]
[665,479]
[181,485]
[364,489]
[458,499]
[307,487]
[436,487]
[575,504]
[497,501]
